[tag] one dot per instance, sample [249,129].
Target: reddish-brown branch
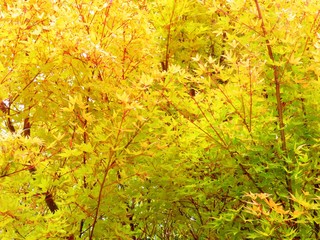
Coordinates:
[102,185]
[165,64]
[278,98]
[276,81]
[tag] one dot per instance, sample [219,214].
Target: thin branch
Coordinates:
[250,101]
[311,29]
[106,14]
[25,87]
[104,179]
[276,81]
[278,97]
[165,65]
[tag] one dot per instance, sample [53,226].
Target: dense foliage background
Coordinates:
[171,119]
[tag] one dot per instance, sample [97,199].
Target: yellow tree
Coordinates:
[176,119]
[74,76]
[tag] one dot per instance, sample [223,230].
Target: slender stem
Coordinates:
[166,64]
[106,15]
[250,95]
[279,104]
[311,29]
[104,179]
[276,81]
[111,163]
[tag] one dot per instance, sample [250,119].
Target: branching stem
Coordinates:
[278,98]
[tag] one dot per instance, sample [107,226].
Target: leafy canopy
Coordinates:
[175,119]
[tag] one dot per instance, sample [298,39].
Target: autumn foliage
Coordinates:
[172,119]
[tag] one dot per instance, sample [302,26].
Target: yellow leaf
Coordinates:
[85,147]
[297,213]
[124,97]
[294,61]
